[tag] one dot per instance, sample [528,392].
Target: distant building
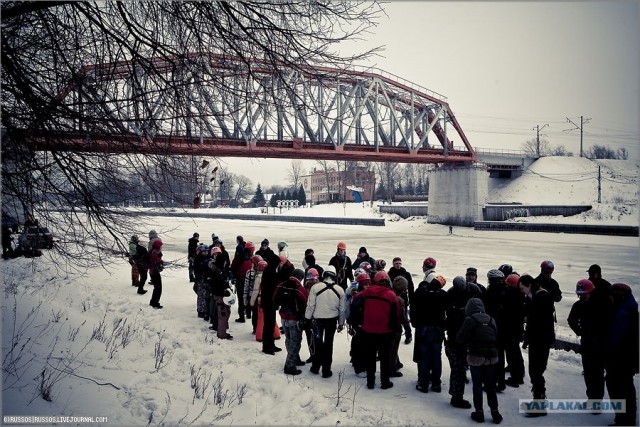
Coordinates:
[353,185]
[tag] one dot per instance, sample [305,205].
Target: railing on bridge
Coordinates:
[213,104]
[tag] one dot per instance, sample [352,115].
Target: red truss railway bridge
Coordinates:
[217,105]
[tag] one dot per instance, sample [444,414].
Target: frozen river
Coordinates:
[415,240]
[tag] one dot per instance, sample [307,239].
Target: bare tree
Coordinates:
[532,148]
[243,188]
[59,64]
[295,171]
[387,172]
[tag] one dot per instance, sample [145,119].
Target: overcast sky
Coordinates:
[507,67]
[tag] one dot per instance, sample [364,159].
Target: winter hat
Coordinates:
[312,273]
[249,247]
[363,249]
[495,274]
[380,264]
[156,244]
[153,234]
[472,270]
[583,287]
[298,274]
[217,242]
[400,284]
[396,259]
[459,283]
[595,268]
[308,252]
[134,238]
[365,265]
[547,266]
[282,245]
[265,242]
[214,237]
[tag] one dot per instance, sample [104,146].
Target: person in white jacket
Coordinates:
[325,309]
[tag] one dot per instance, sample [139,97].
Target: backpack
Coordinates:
[486,349]
[287,298]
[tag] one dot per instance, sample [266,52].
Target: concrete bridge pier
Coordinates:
[457,195]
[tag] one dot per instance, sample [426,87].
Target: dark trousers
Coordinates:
[324,332]
[357,352]
[213,311]
[620,386]
[457,355]
[499,374]
[593,365]
[377,344]
[513,355]
[269,313]
[142,278]
[538,357]
[483,377]
[156,280]
[428,354]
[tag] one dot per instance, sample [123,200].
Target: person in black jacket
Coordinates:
[363,256]
[429,312]
[622,360]
[459,295]
[480,333]
[191,250]
[398,270]
[267,288]
[514,331]
[539,333]
[495,304]
[342,263]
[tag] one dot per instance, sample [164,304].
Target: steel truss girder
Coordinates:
[222,102]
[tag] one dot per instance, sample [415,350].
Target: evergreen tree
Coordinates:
[419,187]
[258,197]
[288,195]
[282,196]
[294,195]
[302,197]
[273,201]
[410,190]
[381,192]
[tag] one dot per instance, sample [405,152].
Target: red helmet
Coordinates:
[249,246]
[156,244]
[429,262]
[262,265]
[584,286]
[342,245]
[381,276]
[364,278]
[513,279]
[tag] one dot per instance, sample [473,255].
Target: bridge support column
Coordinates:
[457,195]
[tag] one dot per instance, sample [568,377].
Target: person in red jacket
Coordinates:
[239,267]
[380,312]
[155,267]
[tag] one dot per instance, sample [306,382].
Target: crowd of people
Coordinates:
[482,329]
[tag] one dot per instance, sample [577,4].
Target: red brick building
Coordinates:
[333,186]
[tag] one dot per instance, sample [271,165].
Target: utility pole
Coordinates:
[538,129]
[599,183]
[582,122]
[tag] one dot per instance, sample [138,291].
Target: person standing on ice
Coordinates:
[291,298]
[156,265]
[479,333]
[539,334]
[397,270]
[191,255]
[342,263]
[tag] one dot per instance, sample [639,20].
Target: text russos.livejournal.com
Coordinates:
[40,419]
